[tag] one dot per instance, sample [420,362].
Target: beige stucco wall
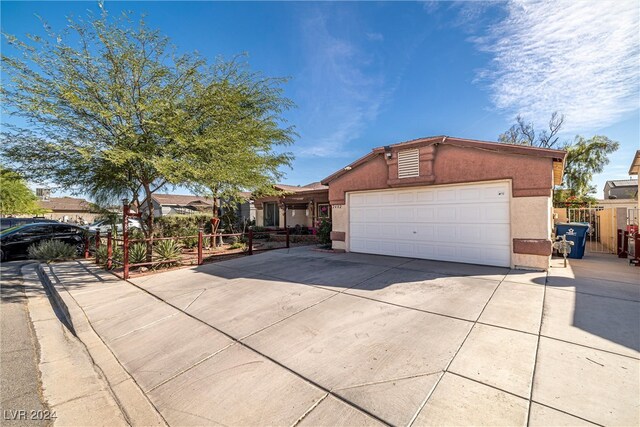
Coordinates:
[340,222]
[298,216]
[529,262]
[531,217]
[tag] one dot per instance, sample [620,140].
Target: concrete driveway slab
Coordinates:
[529,277]
[151,361]
[396,401]
[235,387]
[606,288]
[594,385]
[333,412]
[605,323]
[388,261]
[99,294]
[100,306]
[130,320]
[244,306]
[458,401]
[543,416]
[515,306]
[322,272]
[461,297]
[498,357]
[201,277]
[457,269]
[346,341]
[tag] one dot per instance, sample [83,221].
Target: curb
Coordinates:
[133,402]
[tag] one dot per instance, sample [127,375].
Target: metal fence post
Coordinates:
[625,244]
[287,237]
[620,249]
[250,242]
[200,246]
[97,246]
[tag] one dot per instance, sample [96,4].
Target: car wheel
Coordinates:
[3,255]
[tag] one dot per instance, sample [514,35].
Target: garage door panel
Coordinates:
[425,213]
[446,213]
[463,223]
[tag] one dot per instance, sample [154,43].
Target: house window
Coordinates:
[271,215]
[324,210]
[408,163]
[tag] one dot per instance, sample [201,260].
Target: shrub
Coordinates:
[52,250]
[324,231]
[237,245]
[178,225]
[137,253]
[167,250]
[101,254]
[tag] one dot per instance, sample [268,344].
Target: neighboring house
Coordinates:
[68,209]
[621,189]
[297,206]
[448,199]
[634,170]
[179,204]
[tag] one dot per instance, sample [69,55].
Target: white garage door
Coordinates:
[461,223]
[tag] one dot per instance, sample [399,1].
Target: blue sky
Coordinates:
[367,74]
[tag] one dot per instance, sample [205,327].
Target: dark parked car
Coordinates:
[14,222]
[14,242]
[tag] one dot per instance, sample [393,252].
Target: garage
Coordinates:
[448,199]
[460,223]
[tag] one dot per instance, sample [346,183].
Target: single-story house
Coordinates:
[634,170]
[68,209]
[296,206]
[621,189]
[186,204]
[449,199]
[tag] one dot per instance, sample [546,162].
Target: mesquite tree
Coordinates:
[109,108]
[585,157]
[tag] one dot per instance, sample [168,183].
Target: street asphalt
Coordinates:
[20,389]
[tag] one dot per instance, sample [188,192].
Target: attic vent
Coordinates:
[408,163]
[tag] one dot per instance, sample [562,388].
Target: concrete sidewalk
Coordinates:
[303,337]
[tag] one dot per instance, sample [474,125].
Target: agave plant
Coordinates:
[137,253]
[52,250]
[167,250]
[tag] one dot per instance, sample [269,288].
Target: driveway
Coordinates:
[315,338]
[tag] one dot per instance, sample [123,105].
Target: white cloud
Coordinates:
[580,58]
[343,91]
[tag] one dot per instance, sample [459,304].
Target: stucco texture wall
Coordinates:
[531,179]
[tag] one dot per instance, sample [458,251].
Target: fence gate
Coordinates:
[604,224]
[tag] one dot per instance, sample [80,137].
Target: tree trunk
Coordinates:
[149,221]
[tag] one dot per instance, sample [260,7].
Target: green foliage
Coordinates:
[15,197]
[137,253]
[167,250]
[101,254]
[112,110]
[585,157]
[238,245]
[182,225]
[324,231]
[52,250]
